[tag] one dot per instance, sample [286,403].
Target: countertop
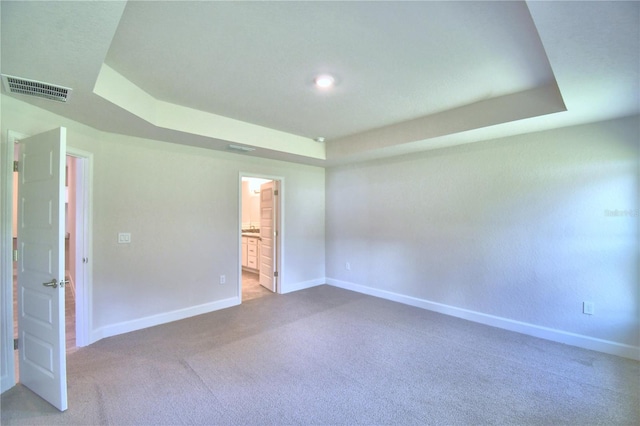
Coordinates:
[251,234]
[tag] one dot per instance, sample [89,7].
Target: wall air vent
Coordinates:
[22,86]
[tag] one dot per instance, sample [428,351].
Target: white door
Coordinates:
[268,204]
[41,327]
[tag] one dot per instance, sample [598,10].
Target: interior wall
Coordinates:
[246,205]
[525,228]
[251,202]
[180,205]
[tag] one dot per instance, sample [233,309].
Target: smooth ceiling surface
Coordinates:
[410,76]
[393,61]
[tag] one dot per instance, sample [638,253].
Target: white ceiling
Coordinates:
[410,76]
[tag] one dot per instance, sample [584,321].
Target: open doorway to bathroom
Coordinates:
[260,207]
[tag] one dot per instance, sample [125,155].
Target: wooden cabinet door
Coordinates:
[244,251]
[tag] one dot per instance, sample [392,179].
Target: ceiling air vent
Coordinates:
[22,86]
[240,148]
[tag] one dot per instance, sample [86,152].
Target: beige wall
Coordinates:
[181,206]
[250,204]
[518,231]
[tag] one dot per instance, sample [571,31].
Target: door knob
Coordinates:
[54,283]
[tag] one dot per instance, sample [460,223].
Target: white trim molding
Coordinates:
[560,336]
[84,308]
[163,318]
[289,288]
[7,378]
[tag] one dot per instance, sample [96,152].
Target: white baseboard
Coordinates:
[138,324]
[302,285]
[555,335]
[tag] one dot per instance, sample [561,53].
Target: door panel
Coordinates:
[41,312]
[267,235]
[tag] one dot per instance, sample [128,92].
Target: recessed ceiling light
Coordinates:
[324,81]
[319,139]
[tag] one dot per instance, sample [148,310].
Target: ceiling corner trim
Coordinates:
[117,89]
[487,113]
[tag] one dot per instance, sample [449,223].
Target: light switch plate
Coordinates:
[124,237]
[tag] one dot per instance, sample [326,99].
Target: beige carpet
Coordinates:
[329,356]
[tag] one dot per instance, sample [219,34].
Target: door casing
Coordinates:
[83,252]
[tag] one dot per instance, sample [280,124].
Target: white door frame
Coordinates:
[85,307]
[84,252]
[280,225]
[8,377]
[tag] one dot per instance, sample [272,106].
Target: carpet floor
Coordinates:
[330,356]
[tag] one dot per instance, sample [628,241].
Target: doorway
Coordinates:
[76,246]
[260,236]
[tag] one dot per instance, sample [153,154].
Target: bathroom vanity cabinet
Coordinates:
[251,253]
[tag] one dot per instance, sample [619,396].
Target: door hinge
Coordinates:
[15,166]
[276,192]
[275,274]
[15,255]
[15,344]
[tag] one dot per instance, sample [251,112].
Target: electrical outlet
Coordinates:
[124,238]
[347,266]
[587,308]
[223,279]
